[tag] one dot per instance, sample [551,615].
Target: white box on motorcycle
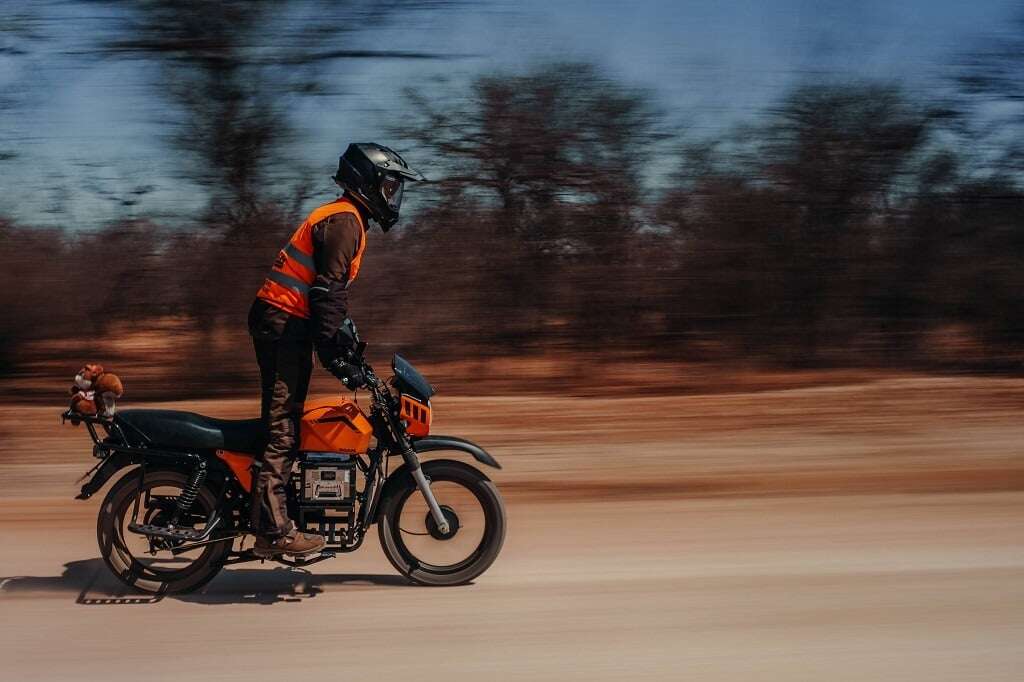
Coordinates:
[327,478]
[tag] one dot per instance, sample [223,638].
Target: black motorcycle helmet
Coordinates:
[374,176]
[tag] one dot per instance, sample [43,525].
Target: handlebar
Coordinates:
[374,383]
[383,397]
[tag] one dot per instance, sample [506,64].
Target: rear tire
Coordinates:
[114,515]
[493,533]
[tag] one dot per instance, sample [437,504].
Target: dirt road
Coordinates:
[923,587]
[852,533]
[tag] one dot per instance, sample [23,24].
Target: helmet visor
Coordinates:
[392,187]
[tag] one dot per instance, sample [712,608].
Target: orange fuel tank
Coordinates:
[334,424]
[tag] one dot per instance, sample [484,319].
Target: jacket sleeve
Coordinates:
[335,244]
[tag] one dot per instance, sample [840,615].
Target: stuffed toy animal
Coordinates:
[95,391]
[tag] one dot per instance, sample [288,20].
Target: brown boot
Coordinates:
[296,543]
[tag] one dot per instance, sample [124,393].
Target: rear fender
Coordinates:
[110,466]
[120,459]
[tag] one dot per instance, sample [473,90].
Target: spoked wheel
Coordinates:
[147,563]
[416,546]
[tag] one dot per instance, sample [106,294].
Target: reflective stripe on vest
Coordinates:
[290,282]
[303,259]
[287,286]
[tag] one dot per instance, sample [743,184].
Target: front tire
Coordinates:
[124,552]
[402,517]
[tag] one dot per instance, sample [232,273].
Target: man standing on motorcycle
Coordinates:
[301,305]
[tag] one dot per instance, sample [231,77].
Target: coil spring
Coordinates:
[189,493]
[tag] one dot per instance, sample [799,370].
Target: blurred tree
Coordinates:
[835,228]
[560,134]
[555,159]
[32,289]
[966,255]
[235,67]
[782,223]
[835,154]
[991,108]
[228,72]
[233,70]
[208,70]
[19,33]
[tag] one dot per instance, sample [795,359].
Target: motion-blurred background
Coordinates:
[772,185]
[732,289]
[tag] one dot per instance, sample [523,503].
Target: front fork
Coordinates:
[423,483]
[401,440]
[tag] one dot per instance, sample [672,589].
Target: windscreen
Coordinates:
[409,380]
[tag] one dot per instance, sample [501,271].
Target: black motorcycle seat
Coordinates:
[190,431]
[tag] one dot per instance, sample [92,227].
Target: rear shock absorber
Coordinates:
[189,493]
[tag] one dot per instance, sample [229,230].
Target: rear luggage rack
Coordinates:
[116,438]
[101,444]
[121,438]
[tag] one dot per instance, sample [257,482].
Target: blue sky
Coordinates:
[710,63]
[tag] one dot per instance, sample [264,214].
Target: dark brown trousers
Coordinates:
[285,366]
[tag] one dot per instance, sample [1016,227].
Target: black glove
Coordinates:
[349,374]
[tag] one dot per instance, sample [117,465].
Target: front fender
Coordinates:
[402,477]
[431,443]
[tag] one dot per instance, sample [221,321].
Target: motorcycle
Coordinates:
[181,510]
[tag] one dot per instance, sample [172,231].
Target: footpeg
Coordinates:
[300,561]
[184,534]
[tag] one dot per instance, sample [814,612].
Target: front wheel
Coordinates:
[412,541]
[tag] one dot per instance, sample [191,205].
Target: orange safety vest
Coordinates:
[287,285]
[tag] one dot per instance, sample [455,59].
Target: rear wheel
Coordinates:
[147,563]
[475,512]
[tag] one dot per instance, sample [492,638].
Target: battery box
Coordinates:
[327,478]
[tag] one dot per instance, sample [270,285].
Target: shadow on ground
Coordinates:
[93,585]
